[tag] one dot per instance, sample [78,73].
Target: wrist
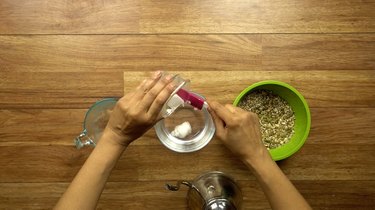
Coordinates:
[259,161]
[106,154]
[115,139]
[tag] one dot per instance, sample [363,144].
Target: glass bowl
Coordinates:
[202,127]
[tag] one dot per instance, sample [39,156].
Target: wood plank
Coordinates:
[155,162]
[114,53]
[260,16]
[68,17]
[54,126]
[335,126]
[153,195]
[82,89]
[320,88]
[323,52]
[223,16]
[57,89]
[59,126]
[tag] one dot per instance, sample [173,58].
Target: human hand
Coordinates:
[138,111]
[239,130]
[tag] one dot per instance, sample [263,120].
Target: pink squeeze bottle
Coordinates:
[192,99]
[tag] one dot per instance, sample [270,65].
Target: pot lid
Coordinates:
[220,204]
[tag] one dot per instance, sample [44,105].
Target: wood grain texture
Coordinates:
[343,195]
[320,88]
[155,162]
[68,17]
[57,89]
[115,53]
[223,16]
[342,125]
[81,89]
[259,16]
[322,52]
[57,57]
[29,127]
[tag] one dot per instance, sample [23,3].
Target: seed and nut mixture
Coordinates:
[276,117]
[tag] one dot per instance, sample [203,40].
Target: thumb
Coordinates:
[221,111]
[219,123]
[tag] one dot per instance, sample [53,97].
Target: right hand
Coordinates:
[239,130]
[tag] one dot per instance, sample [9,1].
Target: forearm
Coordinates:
[86,188]
[280,192]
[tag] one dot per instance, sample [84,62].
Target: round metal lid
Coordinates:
[220,204]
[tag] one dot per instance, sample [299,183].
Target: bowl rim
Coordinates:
[193,145]
[290,152]
[88,112]
[180,146]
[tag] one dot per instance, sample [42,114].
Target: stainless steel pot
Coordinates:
[211,191]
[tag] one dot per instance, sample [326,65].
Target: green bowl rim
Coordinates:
[277,157]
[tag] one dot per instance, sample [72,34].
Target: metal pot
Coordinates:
[211,191]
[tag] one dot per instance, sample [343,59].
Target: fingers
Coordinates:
[231,108]
[146,86]
[159,101]
[221,111]
[238,109]
[154,92]
[219,124]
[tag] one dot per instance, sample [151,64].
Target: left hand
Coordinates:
[138,111]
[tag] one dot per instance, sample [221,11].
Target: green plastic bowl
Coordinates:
[301,112]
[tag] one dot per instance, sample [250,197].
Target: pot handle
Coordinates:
[177,186]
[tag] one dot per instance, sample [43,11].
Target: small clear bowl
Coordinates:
[203,129]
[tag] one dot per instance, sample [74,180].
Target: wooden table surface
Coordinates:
[57,57]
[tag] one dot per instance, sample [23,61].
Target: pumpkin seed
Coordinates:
[276,116]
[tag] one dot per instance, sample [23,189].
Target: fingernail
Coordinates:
[172,86]
[157,74]
[168,78]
